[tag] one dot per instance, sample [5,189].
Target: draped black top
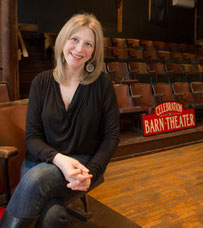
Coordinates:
[89,126]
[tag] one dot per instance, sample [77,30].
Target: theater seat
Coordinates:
[120,73]
[161,74]
[125,102]
[107,42]
[4,92]
[160,45]
[150,55]
[119,42]
[186,97]
[128,106]
[147,100]
[164,89]
[133,43]
[135,54]
[177,57]
[197,87]
[147,44]
[142,72]
[120,53]
[176,73]
[190,72]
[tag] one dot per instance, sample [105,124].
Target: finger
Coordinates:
[81,167]
[74,172]
[80,188]
[73,184]
[82,178]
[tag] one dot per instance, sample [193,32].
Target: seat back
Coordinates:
[108,53]
[144,89]
[120,69]
[190,72]
[199,68]
[146,43]
[4,92]
[133,43]
[159,44]
[107,42]
[119,42]
[123,96]
[174,67]
[189,56]
[159,68]
[120,53]
[140,67]
[12,125]
[197,87]
[177,56]
[135,53]
[166,55]
[188,68]
[171,46]
[184,88]
[164,88]
[150,54]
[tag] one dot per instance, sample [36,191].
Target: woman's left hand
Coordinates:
[81,182]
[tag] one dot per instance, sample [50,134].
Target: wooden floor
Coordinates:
[164,189]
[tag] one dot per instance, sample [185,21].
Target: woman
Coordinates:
[72,128]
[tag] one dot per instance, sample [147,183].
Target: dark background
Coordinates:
[51,15]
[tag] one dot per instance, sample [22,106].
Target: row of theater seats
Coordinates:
[148,44]
[124,49]
[130,72]
[120,49]
[143,97]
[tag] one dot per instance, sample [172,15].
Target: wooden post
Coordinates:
[9,45]
[195,24]
[150,10]
[120,15]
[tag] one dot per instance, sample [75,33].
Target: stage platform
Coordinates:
[135,144]
[102,217]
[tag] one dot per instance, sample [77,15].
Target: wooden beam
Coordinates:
[120,15]
[195,24]
[22,43]
[9,45]
[150,10]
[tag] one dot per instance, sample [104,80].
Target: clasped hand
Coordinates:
[74,172]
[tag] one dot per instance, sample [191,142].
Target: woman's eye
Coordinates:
[89,44]
[74,39]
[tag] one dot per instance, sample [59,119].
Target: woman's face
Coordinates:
[79,48]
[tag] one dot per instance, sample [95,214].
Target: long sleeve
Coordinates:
[110,133]
[35,138]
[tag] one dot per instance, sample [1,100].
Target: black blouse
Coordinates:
[89,126]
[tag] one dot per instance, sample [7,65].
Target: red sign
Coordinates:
[168,116]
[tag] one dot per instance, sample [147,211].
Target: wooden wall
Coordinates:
[9,45]
[51,15]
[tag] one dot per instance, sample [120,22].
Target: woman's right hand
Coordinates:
[74,172]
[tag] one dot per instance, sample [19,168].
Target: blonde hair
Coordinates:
[66,32]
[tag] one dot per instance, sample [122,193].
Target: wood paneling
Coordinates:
[159,190]
[9,48]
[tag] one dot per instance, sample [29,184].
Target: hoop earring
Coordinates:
[89,67]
